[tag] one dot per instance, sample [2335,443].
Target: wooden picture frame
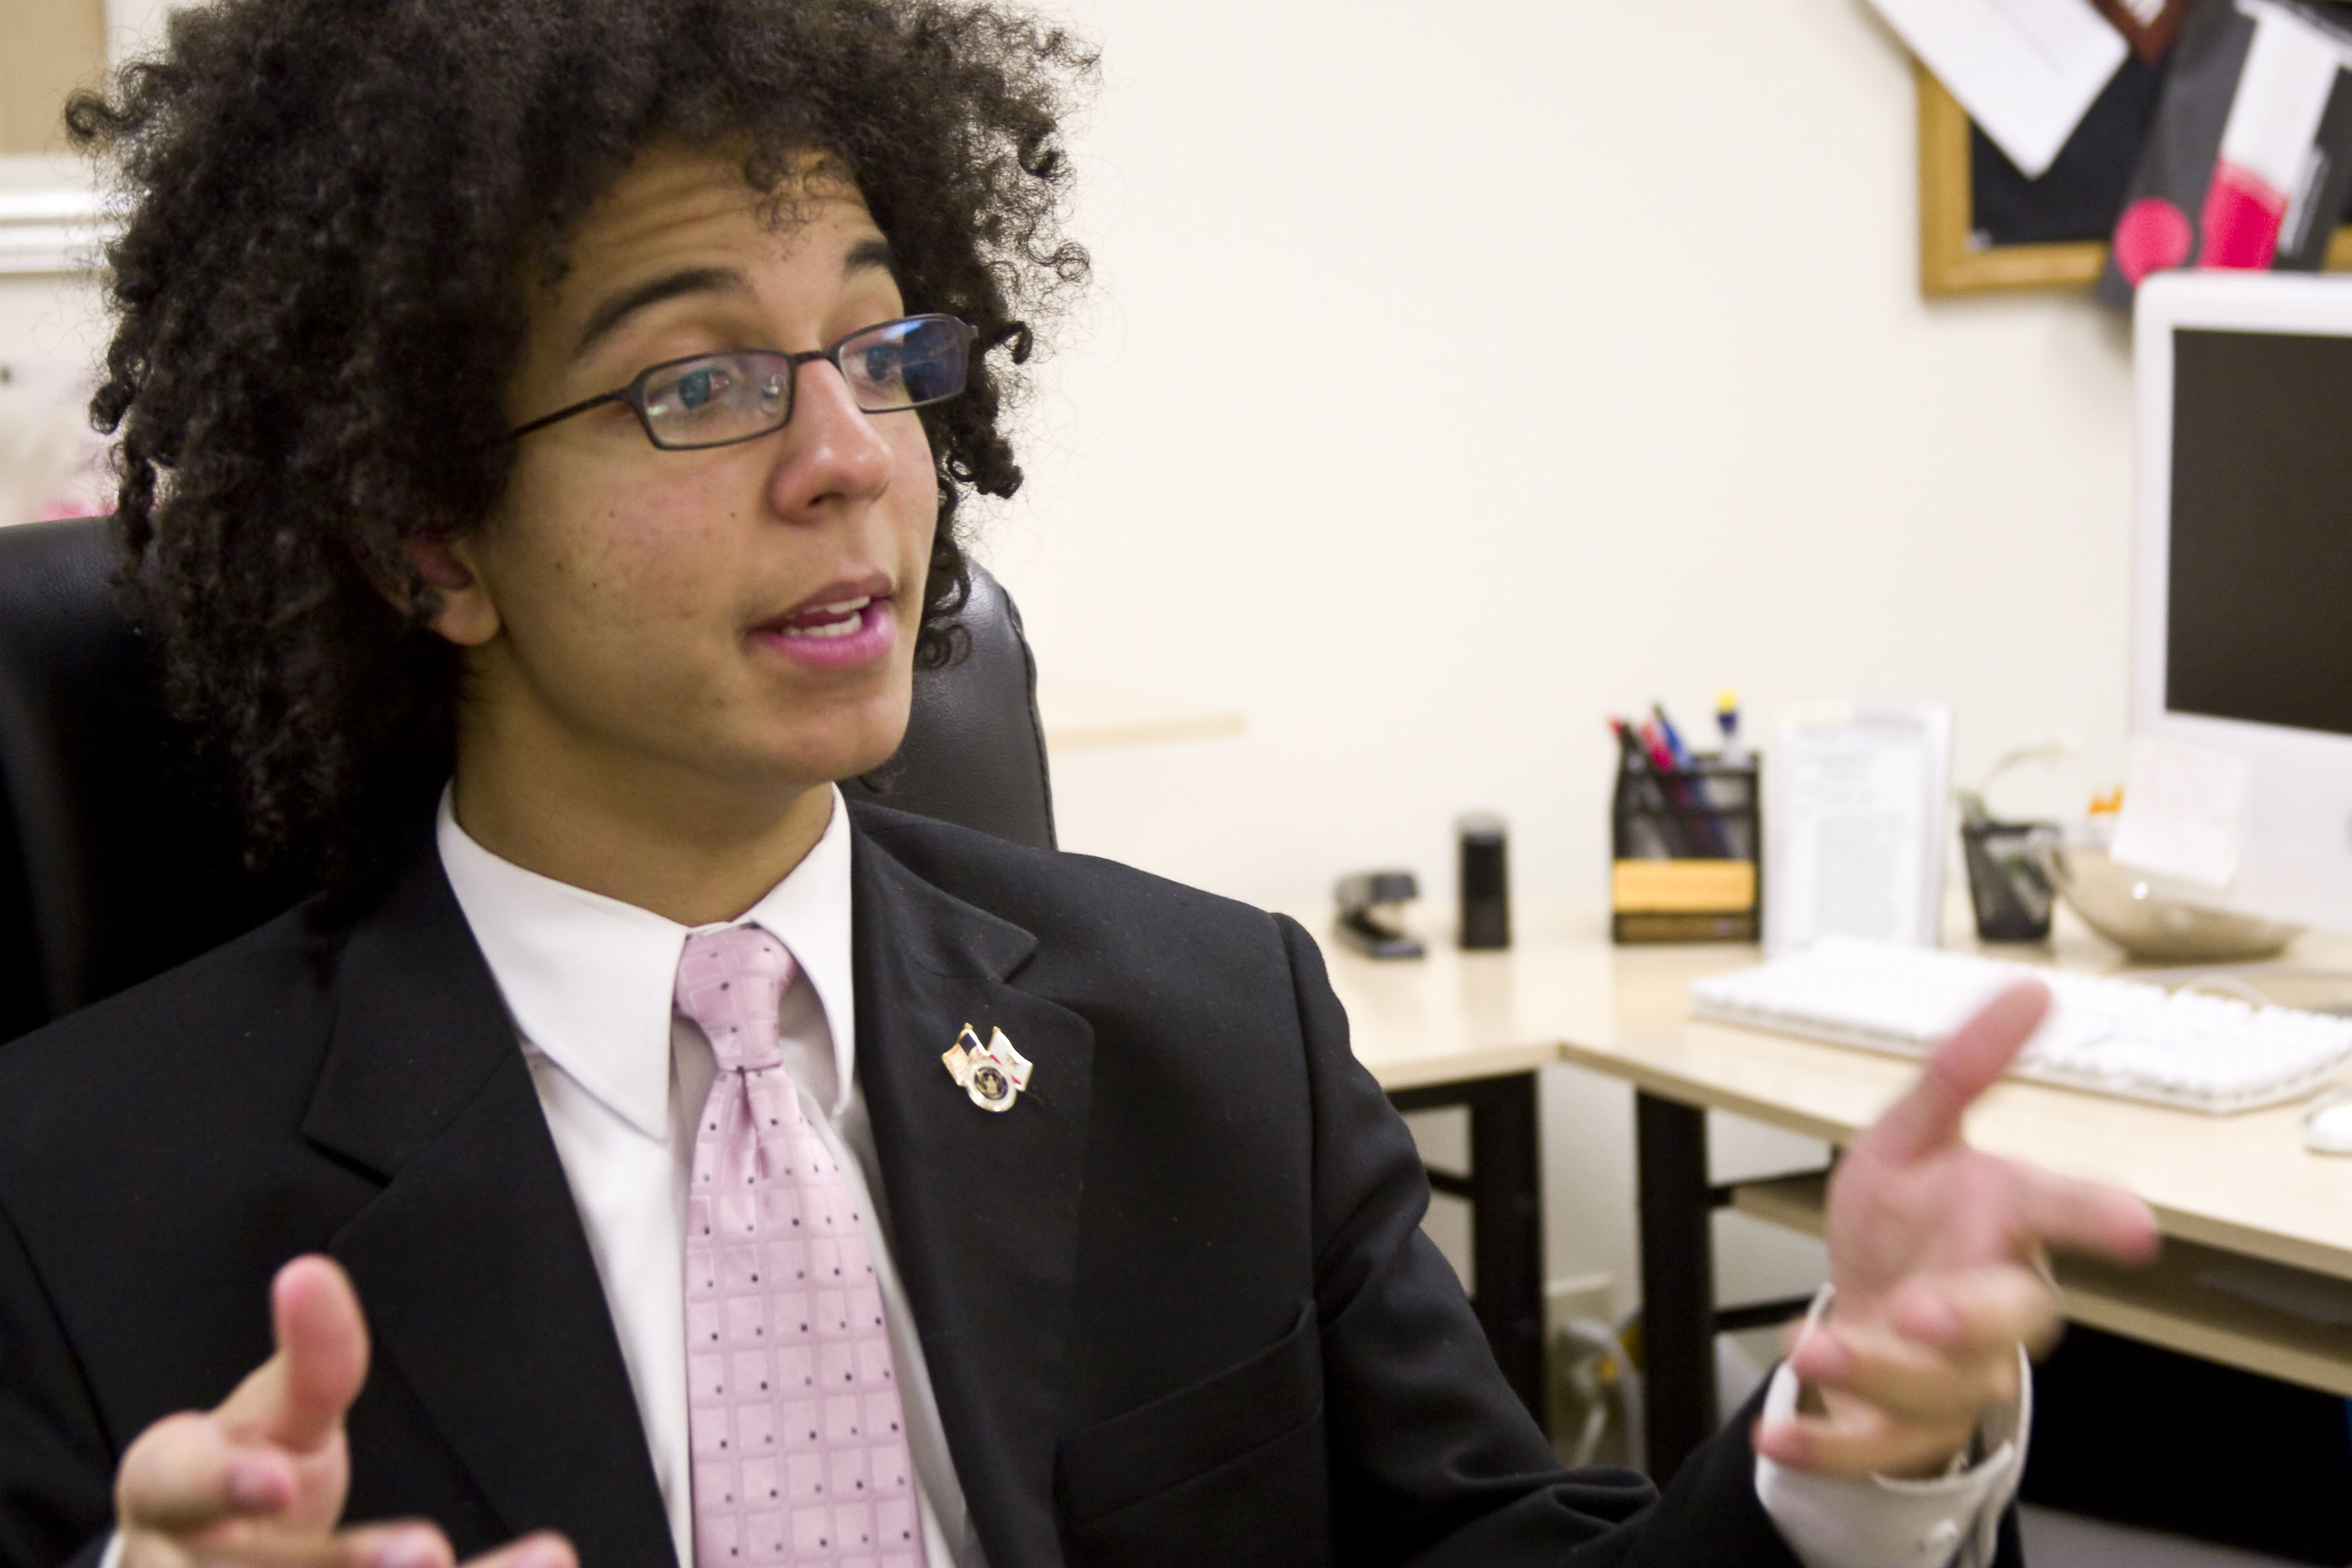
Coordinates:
[1951,263]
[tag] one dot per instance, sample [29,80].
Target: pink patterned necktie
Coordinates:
[800,1455]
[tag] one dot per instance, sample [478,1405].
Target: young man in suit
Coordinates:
[568,400]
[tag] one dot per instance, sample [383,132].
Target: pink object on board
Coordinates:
[2152,236]
[2242,212]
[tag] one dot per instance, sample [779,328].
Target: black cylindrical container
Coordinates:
[1486,882]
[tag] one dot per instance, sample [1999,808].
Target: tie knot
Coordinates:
[730,982]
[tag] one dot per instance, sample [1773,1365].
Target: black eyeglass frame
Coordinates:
[634,394]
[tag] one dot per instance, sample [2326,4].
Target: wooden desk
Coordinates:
[2238,1198]
[2233,1194]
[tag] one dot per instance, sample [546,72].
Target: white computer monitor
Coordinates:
[2242,636]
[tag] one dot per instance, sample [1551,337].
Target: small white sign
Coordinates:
[2184,811]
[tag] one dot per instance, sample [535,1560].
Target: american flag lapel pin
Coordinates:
[994,1074]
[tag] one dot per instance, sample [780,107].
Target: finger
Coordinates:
[298,1397]
[2085,1217]
[545,1549]
[407,1544]
[1976,1312]
[1856,1439]
[184,1472]
[1927,1115]
[1911,1382]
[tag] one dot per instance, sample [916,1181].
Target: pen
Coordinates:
[1681,754]
[1675,761]
[1668,808]
[1655,808]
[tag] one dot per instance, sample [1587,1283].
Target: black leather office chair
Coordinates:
[117,859]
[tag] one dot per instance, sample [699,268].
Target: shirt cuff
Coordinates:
[1879,1521]
[112,1556]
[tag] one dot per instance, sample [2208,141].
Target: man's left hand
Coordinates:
[1936,1252]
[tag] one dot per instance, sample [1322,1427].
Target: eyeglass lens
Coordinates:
[718,398]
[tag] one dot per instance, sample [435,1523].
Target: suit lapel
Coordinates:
[472,1265]
[984,1206]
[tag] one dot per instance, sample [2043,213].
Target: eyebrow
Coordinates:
[865,256]
[651,292]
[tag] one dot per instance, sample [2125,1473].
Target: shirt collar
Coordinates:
[588,980]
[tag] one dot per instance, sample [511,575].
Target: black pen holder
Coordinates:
[2009,878]
[1687,847]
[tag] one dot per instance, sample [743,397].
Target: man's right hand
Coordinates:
[260,1480]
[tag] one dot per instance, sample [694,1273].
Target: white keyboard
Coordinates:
[2124,1037]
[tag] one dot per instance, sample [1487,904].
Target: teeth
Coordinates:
[849,616]
[846,626]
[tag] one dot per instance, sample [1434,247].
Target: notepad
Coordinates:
[1855,818]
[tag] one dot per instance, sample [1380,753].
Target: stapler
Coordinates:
[1371,909]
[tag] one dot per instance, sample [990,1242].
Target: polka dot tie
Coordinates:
[800,1447]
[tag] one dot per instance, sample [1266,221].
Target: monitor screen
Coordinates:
[2259,626]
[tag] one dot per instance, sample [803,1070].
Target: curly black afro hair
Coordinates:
[337,210]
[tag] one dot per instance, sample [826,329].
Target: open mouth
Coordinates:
[842,618]
[842,624]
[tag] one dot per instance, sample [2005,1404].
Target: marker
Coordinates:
[1654,742]
[1690,791]
[1681,754]
[1726,720]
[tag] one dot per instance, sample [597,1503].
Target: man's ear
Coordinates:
[460,607]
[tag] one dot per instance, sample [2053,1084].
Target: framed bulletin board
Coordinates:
[1985,226]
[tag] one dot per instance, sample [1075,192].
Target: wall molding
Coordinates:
[60,229]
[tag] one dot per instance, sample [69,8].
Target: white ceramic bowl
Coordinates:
[2117,901]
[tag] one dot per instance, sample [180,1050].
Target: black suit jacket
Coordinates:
[1176,1303]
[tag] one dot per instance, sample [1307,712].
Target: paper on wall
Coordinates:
[1855,818]
[2184,811]
[2026,70]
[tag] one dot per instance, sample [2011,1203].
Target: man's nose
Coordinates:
[831,450]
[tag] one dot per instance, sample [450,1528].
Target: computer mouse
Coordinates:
[2328,1125]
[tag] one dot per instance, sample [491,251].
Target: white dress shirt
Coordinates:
[588,981]
[1951,1520]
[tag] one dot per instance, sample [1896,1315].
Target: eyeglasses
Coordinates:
[717,400]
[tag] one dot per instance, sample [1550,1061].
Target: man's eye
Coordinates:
[699,387]
[882,363]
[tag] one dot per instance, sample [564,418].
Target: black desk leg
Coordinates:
[1504,1189]
[1507,1231]
[1677,1281]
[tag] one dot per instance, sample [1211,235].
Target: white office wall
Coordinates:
[1456,373]
[134,26]
[50,321]
[1459,373]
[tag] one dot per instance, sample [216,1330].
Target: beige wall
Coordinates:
[1281,463]
[51,47]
